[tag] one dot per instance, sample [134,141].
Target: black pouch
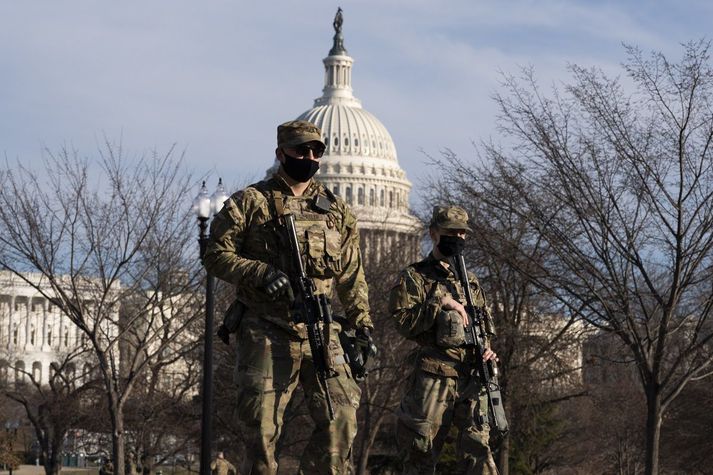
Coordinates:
[231,321]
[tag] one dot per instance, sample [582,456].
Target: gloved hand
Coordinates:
[364,341]
[224,334]
[277,284]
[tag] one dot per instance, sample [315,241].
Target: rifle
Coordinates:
[475,335]
[313,309]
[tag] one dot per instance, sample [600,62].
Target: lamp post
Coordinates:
[203,207]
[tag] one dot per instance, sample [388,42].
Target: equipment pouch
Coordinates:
[231,321]
[450,332]
[355,357]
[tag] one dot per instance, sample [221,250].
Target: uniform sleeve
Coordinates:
[412,310]
[227,232]
[351,284]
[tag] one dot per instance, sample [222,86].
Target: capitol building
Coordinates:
[360,163]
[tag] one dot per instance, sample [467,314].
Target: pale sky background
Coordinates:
[215,78]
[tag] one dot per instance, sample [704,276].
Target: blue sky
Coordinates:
[215,78]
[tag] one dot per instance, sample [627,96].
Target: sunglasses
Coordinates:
[303,149]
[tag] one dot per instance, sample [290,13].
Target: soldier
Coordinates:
[427,306]
[107,468]
[130,464]
[248,248]
[220,466]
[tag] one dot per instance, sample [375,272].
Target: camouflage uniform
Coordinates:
[443,389]
[220,466]
[273,353]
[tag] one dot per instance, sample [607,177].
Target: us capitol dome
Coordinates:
[360,163]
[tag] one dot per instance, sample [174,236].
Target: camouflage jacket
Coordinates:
[246,240]
[222,467]
[415,302]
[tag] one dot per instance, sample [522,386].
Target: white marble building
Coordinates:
[34,335]
[36,338]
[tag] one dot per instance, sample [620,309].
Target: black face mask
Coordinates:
[300,169]
[449,246]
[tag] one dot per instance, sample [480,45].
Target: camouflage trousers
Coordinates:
[271,362]
[431,405]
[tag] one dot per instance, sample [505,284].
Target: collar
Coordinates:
[312,189]
[439,266]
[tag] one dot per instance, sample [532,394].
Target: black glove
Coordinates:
[277,284]
[365,342]
[224,334]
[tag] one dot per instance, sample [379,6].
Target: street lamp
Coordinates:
[203,207]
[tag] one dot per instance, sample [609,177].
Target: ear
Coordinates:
[279,155]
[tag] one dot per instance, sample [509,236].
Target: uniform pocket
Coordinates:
[334,249]
[450,332]
[315,242]
[316,251]
[424,403]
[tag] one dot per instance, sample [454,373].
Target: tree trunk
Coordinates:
[117,440]
[53,464]
[653,430]
[504,456]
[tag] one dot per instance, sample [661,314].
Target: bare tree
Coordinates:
[388,370]
[99,236]
[53,408]
[160,414]
[617,179]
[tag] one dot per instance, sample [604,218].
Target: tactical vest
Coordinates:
[451,285]
[318,223]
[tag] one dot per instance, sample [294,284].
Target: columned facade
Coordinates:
[34,335]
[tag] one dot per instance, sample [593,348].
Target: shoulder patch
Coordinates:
[330,196]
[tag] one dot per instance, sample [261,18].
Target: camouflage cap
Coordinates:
[297,132]
[450,217]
